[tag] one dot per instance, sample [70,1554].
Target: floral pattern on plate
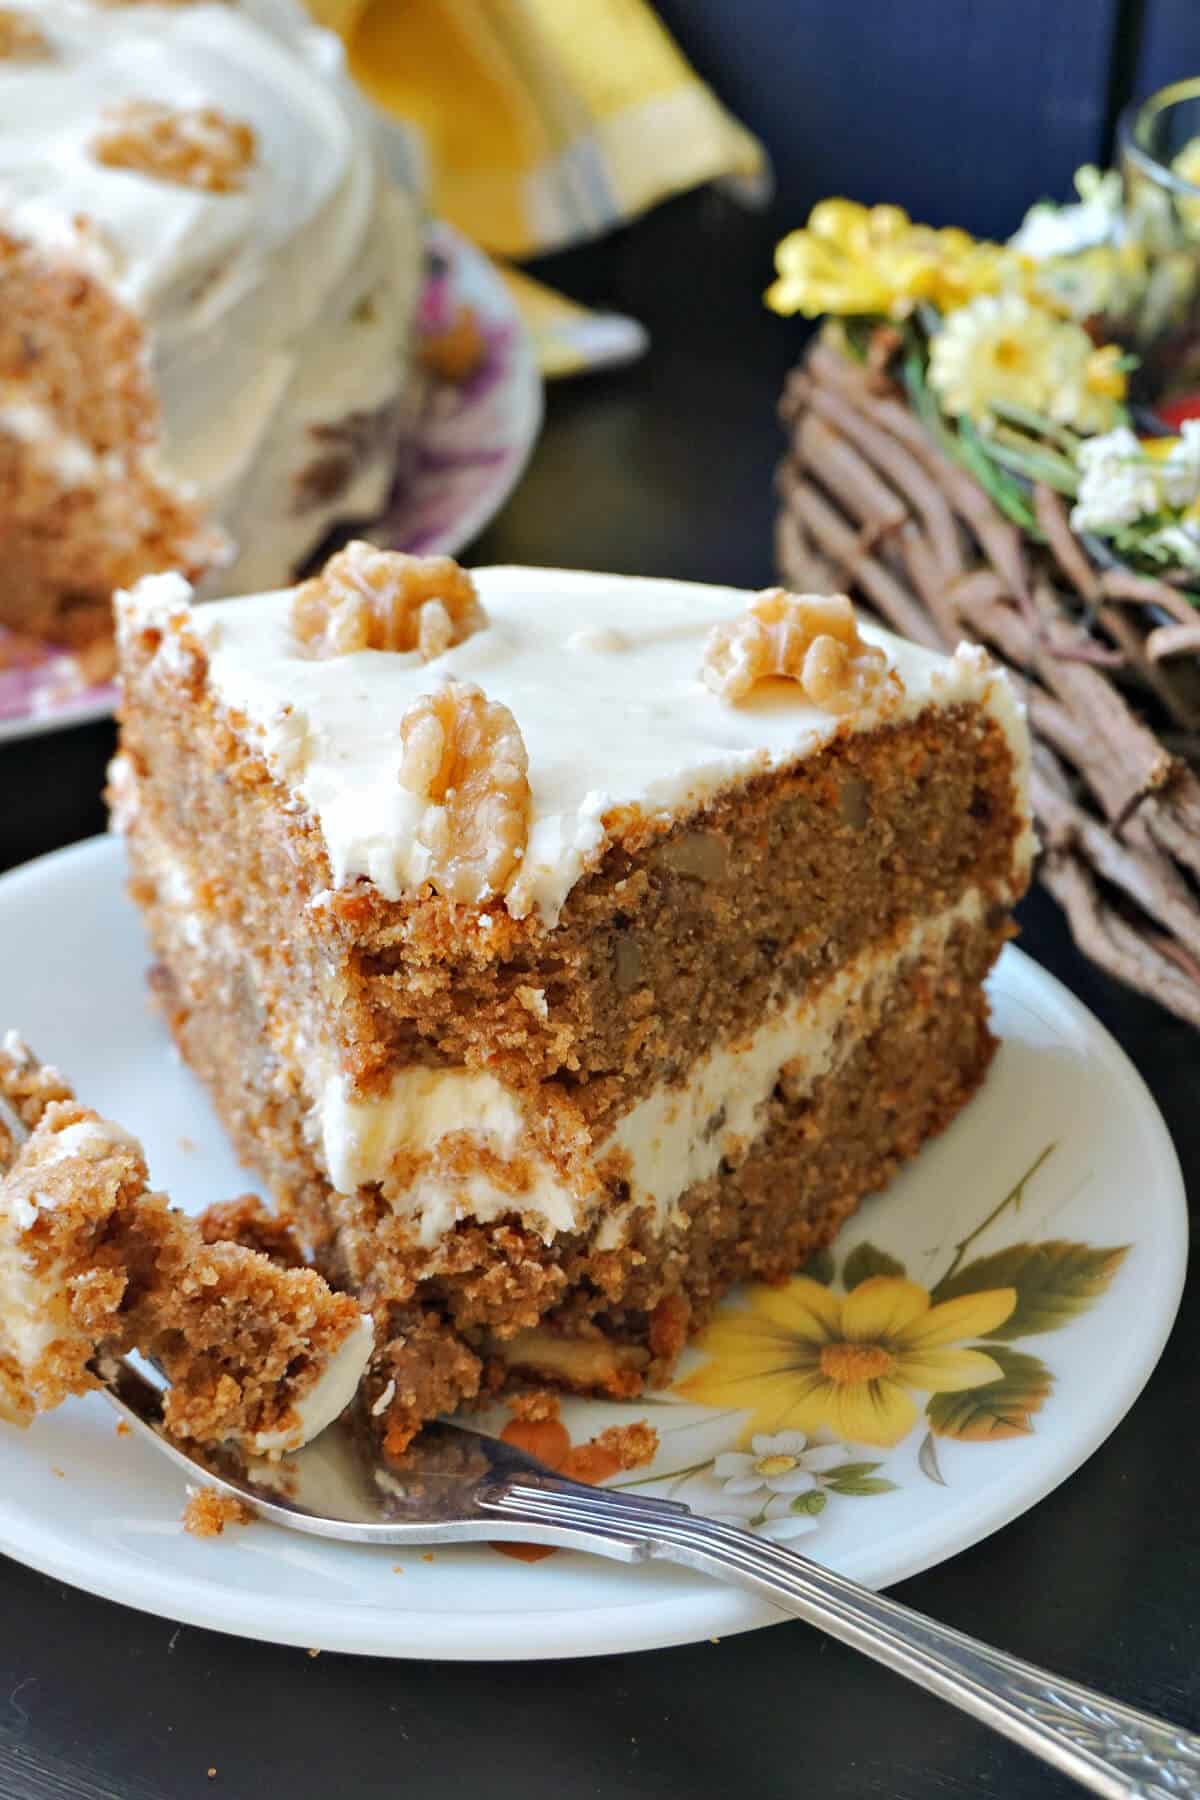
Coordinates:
[802,1381]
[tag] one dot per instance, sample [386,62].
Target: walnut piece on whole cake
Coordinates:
[465,757]
[93,1262]
[197,147]
[371,599]
[21,40]
[812,639]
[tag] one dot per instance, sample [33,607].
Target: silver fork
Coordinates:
[456,1485]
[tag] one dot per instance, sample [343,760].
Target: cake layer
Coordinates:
[445,1144]
[601,1310]
[602,673]
[685,928]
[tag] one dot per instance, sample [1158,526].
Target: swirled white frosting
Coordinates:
[281,305]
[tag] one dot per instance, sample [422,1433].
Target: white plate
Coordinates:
[103,1511]
[469,447]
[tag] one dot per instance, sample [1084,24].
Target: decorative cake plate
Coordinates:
[1029,1264]
[470,446]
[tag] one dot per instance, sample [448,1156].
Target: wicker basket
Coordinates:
[1106,659]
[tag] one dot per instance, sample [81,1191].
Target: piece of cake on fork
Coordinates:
[94,1263]
[563,948]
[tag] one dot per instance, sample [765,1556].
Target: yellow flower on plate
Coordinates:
[872,260]
[802,1358]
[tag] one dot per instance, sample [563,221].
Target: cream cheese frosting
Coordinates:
[675,1136]
[601,673]
[327,1397]
[250,298]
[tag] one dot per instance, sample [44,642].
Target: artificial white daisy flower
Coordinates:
[1117,483]
[1179,544]
[1050,230]
[1179,471]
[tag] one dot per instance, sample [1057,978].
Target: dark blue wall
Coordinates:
[963,111]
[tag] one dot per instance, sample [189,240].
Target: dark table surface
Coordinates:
[661,469]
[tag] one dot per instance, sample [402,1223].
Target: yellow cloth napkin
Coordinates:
[542,123]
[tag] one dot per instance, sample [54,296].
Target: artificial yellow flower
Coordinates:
[803,1358]
[859,260]
[1089,388]
[1105,280]
[997,348]
[964,267]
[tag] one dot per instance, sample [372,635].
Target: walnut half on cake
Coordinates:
[92,1261]
[562,966]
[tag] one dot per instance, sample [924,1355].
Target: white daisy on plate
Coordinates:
[761,1486]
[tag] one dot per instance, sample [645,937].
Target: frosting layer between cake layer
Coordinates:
[676,1136]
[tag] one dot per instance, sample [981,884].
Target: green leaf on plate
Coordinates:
[820,1267]
[866,1260]
[812,1503]
[857,1478]
[998,1409]
[1055,1282]
[927,1461]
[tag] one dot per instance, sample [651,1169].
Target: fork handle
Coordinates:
[1110,1748]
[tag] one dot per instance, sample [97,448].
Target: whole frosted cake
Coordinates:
[563,948]
[206,289]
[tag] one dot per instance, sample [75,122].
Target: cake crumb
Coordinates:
[61,1473]
[427,1556]
[123,1430]
[537,1404]
[209,1511]
[396,1569]
[612,1452]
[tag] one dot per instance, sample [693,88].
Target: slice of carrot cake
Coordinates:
[563,948]
[93,1262]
